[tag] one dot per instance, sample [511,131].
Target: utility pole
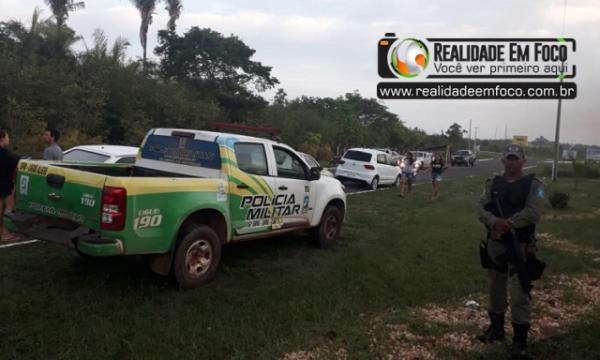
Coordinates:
[505,132]
[470,148]
[475,141]
[557,140]
[557,134]
[496,134]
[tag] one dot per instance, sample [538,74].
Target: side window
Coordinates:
[381,159]
[251,158]
[126,160]
[288,164]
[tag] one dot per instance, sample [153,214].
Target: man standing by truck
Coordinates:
[8,164]
[52,151]
[510,207]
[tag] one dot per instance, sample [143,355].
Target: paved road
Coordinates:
[482,167]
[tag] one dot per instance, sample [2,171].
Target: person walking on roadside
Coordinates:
[438,166]
[52,151]
[408,165]
[510,207]
[8,164]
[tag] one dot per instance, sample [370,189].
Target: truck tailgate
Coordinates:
[58,192]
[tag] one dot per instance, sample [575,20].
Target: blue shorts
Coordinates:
[408,175]
[436,177]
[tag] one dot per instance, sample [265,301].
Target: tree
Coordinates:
[146,9]
[216,66]
[62,8]
[455,136]
[174,8]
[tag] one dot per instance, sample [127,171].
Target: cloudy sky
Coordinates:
[328,47]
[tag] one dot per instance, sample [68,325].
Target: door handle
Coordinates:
[243,186]
[283,187]
[54,197]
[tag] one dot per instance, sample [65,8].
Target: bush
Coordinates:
[559,200]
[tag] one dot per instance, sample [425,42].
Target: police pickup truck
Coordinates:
[188,193]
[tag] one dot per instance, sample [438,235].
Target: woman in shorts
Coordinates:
[8,164]
[409,169]
[438,165]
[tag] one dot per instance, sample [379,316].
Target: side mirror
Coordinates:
[315,174]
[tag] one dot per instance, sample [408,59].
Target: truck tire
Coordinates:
[326,234]
[197,256]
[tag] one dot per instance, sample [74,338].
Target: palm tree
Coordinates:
[146,9]
[174,8]
[62,8]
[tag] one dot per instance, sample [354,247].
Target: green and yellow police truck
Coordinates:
[188,193]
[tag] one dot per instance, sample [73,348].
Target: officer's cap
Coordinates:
[514,150]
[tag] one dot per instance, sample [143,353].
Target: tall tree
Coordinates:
[174,8]
[455,136]
[146,9]
[62,8]
[216,66]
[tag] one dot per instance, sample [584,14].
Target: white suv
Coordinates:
[372,167]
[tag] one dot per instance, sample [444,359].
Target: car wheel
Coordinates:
[396,182]
[326,234]
[197,256]
[374,183]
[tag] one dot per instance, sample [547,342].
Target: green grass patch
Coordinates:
[271,296]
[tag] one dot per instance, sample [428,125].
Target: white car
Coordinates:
[423,157]
[110,154]
[372,167]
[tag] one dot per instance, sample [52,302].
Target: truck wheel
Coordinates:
[329,228]
[197,256]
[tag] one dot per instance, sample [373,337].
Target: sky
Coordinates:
[327,48]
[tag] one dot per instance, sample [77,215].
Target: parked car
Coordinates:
[423,157]
[463,157]
[313,163]
[394,155]
[110,154]
[369,166]
[188,193]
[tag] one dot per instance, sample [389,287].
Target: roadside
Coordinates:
[402,272]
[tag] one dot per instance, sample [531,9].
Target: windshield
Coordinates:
[82,155]
[463,152]
[310,160]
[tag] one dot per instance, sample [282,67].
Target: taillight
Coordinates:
[369,167]
[341,162]
[114,207]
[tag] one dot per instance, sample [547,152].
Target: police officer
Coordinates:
[510,206]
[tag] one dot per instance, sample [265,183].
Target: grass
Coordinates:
[273,296]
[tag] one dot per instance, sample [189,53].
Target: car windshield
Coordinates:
[310,160]
[357,155]
[82,155]
[463,152]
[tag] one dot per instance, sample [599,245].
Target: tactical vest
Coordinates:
[512,198]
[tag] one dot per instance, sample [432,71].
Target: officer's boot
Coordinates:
[495,332]
[519,347]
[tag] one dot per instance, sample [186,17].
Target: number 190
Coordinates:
[147,221]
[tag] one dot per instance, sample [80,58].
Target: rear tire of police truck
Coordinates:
[197,256]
